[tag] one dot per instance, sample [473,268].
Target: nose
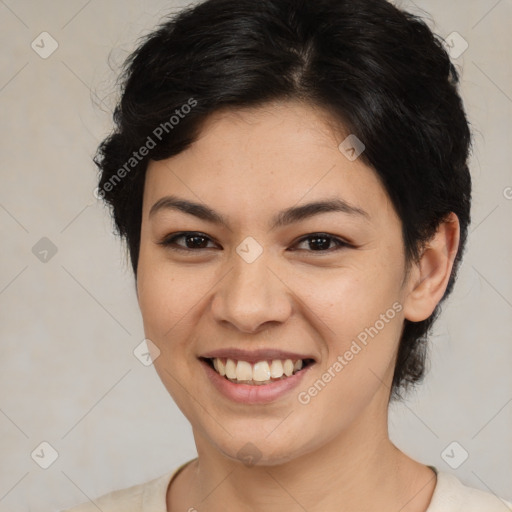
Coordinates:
[252,296]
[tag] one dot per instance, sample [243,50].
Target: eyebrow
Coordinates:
[283,218]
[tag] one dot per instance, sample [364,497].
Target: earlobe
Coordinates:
[429,278]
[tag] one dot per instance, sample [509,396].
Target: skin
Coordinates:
[334,453]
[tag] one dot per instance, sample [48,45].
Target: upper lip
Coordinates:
[253,356]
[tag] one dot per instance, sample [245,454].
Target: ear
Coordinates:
[429,278]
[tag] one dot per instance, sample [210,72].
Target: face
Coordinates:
[237,274]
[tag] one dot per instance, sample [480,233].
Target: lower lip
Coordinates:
[256,394]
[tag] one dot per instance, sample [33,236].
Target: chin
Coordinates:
[260,451]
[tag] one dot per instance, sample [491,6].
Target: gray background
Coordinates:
[69,325]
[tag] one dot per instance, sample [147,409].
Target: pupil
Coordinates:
[324,242]
[195,242]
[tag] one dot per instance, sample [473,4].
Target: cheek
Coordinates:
[167,293]
[350,299]
[168,298]
[166,304]
[360,320]
[357,362]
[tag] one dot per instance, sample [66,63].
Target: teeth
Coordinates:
[260,373]
[288,367]
[220,367]
[230,369]
[243,370]
[276,369]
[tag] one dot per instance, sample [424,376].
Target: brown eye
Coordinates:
[321,242]
[193,240]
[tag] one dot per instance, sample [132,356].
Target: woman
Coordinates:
[291,179]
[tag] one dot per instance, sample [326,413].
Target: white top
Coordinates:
[450,495]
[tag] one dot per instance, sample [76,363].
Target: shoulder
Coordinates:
[451,494]
[150,495]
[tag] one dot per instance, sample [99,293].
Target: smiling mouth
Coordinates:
[257,374]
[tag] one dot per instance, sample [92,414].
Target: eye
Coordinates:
[193,240]
[317,242]
[320,242]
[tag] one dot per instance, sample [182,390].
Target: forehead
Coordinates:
[266,158]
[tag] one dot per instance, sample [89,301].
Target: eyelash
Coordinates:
[169,242]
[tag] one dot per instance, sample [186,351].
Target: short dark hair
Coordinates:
[378,70]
